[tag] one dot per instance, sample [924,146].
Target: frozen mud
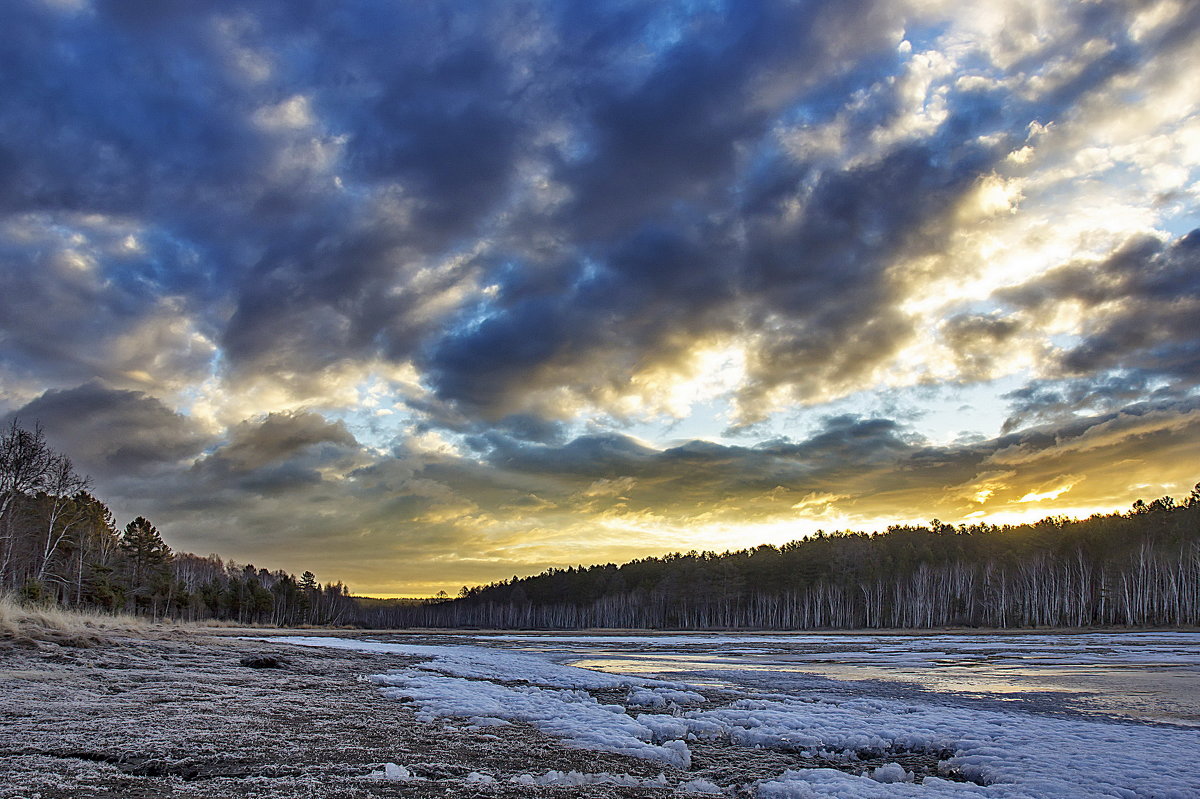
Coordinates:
[181,717]
[422,715]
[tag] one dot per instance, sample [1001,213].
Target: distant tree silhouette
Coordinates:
[1138,568]
[58,543]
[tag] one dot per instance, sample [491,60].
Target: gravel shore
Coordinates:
[177,714]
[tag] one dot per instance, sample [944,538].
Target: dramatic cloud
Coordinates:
[113,433]
[454,290]
[1139,309]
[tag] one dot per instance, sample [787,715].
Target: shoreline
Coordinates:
[647,632]
[176,714]
[184,712]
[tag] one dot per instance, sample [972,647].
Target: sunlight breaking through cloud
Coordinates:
[560,283]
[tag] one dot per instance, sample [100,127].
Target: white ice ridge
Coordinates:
[662,697]
[483,663]
[574,779]
[551,699]
[570,714]
[1014,754]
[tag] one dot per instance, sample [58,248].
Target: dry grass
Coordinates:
[219,624]
[32,624]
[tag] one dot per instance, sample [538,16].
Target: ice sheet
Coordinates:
[1007,754]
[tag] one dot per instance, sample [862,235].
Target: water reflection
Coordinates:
[1145,676]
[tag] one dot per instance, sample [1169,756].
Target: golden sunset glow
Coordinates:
[450,308]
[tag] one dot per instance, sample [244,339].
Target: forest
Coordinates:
[60,544]
[1140,568]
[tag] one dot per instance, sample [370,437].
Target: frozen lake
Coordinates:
[796,716]
[1151,676]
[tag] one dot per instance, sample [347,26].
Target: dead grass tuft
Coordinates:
[34,624]
[228,624]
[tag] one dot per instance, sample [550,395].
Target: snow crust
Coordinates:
[577,779]
[570,714]
[824,783]
[482,663]
[393,771]
[892,772]
[1007,754]
[662,697]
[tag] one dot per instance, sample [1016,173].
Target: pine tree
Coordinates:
[310,594]
[147,557]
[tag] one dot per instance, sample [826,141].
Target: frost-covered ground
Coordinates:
[940,715]
[177,715]
[505,716]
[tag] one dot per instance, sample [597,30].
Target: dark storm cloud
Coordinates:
[1044,401]
[819,287]
[279,437]
[665,149]
[673,136]
[828,279]
[421,505]
[446,128]
[586,457]
[178,119]
[105,120]
[650,296]
[78,292]
[1145,270]
[872,468]
[852,468]
[437,114]
[700,475]
[308,183]
[1138,335]
[130,442]
[113,434]
[824,280]
[976,340]
[1155,289]
[656,294]
[534,204]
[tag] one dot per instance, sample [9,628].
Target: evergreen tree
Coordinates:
[147,559]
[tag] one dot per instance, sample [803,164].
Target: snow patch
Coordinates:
[570,714]
[701,786]
[1008,754]
[892,772]
[482,779]
[392,771]
[577,779]
[824,783]
[662,697]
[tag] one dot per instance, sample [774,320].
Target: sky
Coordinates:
[423,295]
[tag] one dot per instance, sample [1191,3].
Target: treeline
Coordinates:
[1140,568]
[59,543]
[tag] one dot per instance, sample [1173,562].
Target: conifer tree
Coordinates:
[147,557]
